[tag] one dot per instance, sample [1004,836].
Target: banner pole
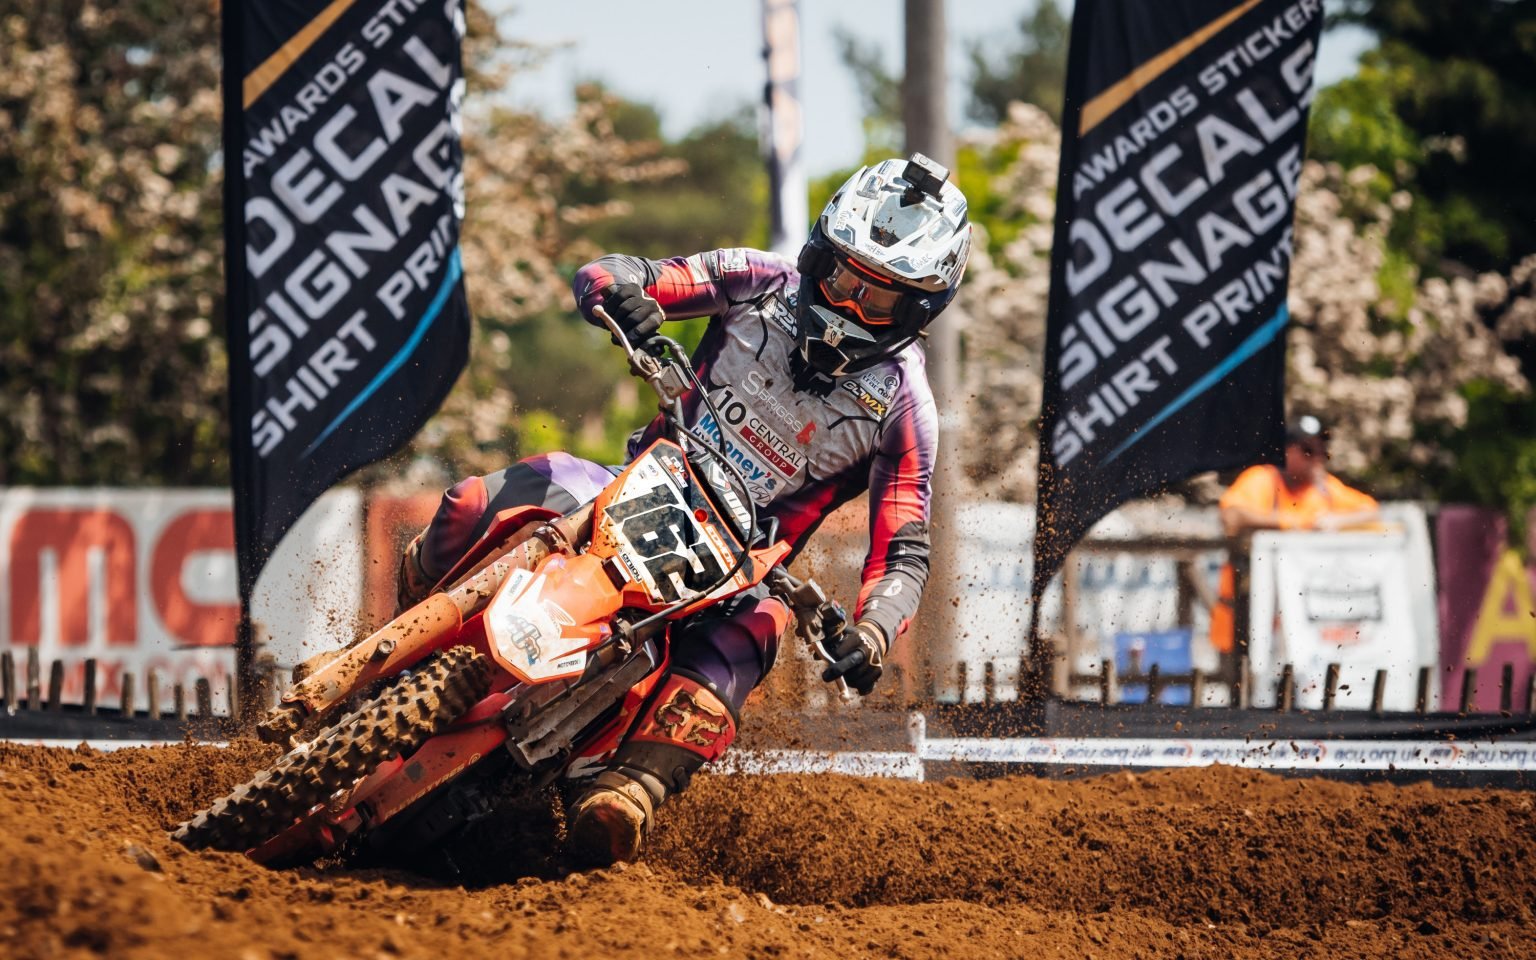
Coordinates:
[236,339]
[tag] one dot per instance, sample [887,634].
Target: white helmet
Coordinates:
[883,259]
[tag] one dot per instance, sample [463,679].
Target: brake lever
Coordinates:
[664,378]
[807,601]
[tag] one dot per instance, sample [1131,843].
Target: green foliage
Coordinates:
[978,171]
[111,239]
[1447,105]
[1496,455]
[1398,280]
[573,388]
[879,93]
[110,244]
[1034,71]
[1353,122]
[718,198]
[1445,109]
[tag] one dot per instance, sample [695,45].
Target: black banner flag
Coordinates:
[343,199]
[1181,149]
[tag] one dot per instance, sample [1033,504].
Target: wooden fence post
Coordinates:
[90,686]
[1061,672]
[179,692]
[8,680]
[1070,588]
[1468,690]
[1243,695]
[1507,689]
[204,698]
[1154,683]
[1197,688]
[1107,688]
[989,682]
[1379,692]
[34,681]
[125,703]
[1330,686]
[1421,699]
[152,684]
[1286,697]
[55,684]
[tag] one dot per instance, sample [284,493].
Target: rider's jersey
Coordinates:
[802,455]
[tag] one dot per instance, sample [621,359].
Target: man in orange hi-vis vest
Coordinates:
[1302,495]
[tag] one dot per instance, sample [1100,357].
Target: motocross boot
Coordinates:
[412,584]
[684,726]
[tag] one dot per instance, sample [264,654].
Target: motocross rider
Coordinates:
[817,370]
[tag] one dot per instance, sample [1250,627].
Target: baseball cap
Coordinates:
[1306,428]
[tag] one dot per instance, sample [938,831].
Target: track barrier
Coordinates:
[1051,737]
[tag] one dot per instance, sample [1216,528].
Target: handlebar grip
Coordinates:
[840,668]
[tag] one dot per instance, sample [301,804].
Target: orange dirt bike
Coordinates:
[533,657]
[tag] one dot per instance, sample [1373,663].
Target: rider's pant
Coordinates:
[555,481]
[731,645]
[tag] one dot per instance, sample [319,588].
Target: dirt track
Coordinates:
[1194,863]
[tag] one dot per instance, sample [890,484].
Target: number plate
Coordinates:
[665,532]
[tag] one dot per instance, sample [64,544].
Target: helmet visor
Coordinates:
[850,288]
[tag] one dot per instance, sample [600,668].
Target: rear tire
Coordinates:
[399,720]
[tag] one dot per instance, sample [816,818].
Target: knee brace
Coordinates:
[685,726]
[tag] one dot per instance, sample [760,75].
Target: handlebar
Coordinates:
[817,619]
[663,363]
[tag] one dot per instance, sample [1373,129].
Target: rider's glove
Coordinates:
[636,312]
[858,656]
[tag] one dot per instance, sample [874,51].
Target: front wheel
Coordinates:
[399,720]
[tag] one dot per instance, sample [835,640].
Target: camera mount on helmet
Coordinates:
[925,175]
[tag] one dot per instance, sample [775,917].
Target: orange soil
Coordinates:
[1191,863]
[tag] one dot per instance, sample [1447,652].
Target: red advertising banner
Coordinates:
[137,580]
[392,522]
[142,580]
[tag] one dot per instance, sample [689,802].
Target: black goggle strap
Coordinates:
[816,259]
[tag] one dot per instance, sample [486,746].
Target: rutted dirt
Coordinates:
[1192,863]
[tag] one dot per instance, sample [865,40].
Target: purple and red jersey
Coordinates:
[802,454]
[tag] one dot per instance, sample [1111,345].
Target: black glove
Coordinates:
[636,312]
[859,653]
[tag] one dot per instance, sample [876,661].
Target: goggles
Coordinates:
[872,299]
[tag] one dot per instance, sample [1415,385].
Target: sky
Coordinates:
[697,60]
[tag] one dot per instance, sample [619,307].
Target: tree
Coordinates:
[1034,71]
[1447,105]
[712,191]
[111,245]
[110,254]
[1417,378]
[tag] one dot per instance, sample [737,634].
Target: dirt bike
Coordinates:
[533,657]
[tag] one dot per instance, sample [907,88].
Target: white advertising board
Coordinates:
[1355,599]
